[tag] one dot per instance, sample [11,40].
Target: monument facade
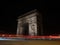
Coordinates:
[30,24]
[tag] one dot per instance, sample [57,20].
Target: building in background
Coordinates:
[30,24]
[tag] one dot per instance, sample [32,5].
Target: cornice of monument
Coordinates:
[28,13]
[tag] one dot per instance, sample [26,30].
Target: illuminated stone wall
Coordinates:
[31,19]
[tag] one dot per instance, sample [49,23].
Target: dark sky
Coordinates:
[11,10]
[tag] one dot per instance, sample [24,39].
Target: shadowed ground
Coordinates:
[31,42]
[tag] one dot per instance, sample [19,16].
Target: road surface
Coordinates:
[31,42]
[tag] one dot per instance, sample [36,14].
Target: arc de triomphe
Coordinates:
[30,24]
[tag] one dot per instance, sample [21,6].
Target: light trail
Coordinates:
[22,37]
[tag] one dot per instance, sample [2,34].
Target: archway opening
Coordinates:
[25,29]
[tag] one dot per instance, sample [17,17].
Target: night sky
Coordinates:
[11,10]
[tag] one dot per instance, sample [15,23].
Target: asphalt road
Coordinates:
[31,42]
